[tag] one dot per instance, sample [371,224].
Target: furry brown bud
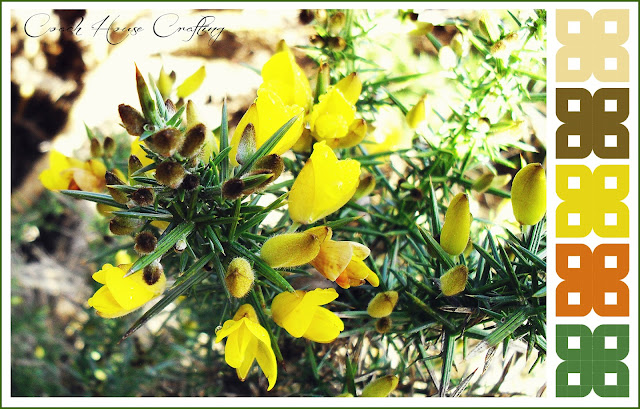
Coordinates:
[152,273]
[165,142]
[170,173]
[190,182]
[233,188]
[143,196]
[193,141]
[132,120]
[145,242]
[109,146]
[121,226]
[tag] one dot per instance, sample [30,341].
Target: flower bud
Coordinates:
[152,273]
[147,102]
[190,182]
[365,186]
[382,304]
[336,23]
[170,107]
[180,246]
[117,195]
[145,242]
[336,43]
[170,173]
[321,16]
[269,163]
[454,281]
[134,164]
[529,194]
[239,277]
[355,135]
[105,209]
[96,148]
[317,41]
[121,226]
[109,146]
[457,223]
[132,120]
[247,144]
[165,83]
[233,188]
[306,16]
[324,80]
[294,249]
[417,114]
[193,141]
[383,325]
[381,387]
[143,196]
[165,142]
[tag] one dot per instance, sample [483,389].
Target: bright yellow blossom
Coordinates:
[342,262]
[301,315]
[248,341]
[333,115]
[121,295]
[283,75]
[73,174]
[323,185]
[267,114]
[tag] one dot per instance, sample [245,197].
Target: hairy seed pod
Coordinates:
[239,277]
[117,195]
[109,146]
[233,188]
[529,194]
[152,273]
[247,144]
[382,304]
[454,281]
[122,226]
[145,242]
[165,142]
[383,325]
[306,16]
[190,182]
[337,43]
[193,141]
[170,173]
[134,164]
[96,148]
[143,196]
[317,41]
[457,223]
[381,387]
[132,120]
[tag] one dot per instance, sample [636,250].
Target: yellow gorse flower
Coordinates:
[247,341]
[282,75]
[301,315]
[267,114]
[137,150]
[342,262]
[529,194]
[121,295]
[323,185]
[457,223]
[73,174]
[334,114]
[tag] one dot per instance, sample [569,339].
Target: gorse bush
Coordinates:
[337,221]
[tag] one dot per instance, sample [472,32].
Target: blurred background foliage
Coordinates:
[481,77]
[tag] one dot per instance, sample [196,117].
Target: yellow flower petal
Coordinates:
[268,114]
[140,153]
[267,362]
[228,327]
[105,305]
[323,185]
[529,194]
[191,84]
[331,117]
[293,316]
[129,293]
[320,296]
[283,75]
[333,258]
[326,326]
[351,87]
